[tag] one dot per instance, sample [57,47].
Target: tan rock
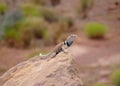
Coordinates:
[59,71]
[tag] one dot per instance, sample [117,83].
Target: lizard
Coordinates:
[61,47]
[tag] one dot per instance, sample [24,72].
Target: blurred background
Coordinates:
[28,27]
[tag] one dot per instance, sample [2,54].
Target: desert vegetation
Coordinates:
[31,22]
[99,84]
[95,30]
[115,77]
[2,9]
[84,7]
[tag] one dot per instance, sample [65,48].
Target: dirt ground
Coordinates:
[86,51]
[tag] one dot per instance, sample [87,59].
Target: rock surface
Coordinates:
[59,71]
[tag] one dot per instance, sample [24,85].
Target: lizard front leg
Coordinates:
[65,50]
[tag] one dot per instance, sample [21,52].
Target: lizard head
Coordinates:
[70,39]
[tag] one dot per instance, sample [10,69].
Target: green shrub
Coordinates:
[115,77]
[40,2]
[68,21]
[99,84]
[49,15]
[37,25]
[2,8]
[84,4]
[18,39]
[95,30]
[12,36]
[13,33]
[40,32]
[30,10]
[15,37]
[26,37]
[66,24]
[37,28]
[22,33]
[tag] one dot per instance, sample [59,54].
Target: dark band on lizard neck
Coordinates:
[66,43]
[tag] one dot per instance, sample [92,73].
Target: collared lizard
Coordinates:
[61,47]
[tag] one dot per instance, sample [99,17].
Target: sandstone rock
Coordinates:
[59,71]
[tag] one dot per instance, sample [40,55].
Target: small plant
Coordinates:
[12,36]
[84,7]
[37,26]
[2,8]
[39,2]
[84,4]
[30,10]
[18,38]
[15,37]
[26,37]
[115,77]
[95,30]
[99,84]
[70,22]
[49,15]
[40,32]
